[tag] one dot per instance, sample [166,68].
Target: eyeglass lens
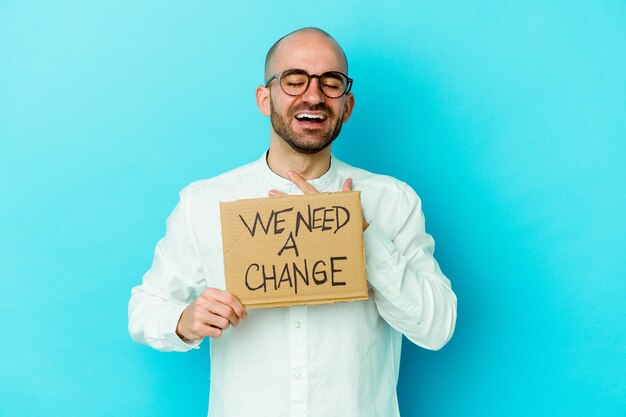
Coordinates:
[295,82]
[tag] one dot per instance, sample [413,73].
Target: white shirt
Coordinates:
[328,360]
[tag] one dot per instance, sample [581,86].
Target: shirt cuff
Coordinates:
[169,329]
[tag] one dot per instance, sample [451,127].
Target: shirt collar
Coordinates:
[276,181]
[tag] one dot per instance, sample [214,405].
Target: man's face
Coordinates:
[315,54]
[305,134]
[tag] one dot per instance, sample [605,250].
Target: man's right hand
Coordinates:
[210,314]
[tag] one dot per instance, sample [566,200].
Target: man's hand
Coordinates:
[307,188]
[210,314]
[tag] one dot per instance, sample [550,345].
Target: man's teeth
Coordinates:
[305,116]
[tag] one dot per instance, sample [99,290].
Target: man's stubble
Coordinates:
[313,141]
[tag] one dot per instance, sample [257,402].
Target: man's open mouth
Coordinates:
[311,117]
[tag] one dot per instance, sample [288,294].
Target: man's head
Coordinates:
[311,120]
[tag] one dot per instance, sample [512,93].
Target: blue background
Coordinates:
[507,117]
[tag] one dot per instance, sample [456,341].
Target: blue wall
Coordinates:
[508,118]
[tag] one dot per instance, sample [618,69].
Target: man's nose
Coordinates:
[313,93]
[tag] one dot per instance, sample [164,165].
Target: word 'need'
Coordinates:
[319,218]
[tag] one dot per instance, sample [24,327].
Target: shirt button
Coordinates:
[298,375]
[298,325]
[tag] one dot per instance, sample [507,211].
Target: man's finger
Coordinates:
[218,321]
[347,185]
[210,331]
[301,183]
[225,311]
[276,193]
[232,301]
[214,332]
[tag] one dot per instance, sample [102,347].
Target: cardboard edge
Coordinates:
[270,304]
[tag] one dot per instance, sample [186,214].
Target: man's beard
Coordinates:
[312,141]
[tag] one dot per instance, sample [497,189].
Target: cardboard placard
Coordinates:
[294,250]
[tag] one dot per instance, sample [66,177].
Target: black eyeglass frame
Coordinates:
[309,76]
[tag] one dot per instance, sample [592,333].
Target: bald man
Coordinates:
[329,360]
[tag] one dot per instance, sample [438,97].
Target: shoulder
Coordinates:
[386,201]
[226,179]
[230,185]
[380,185]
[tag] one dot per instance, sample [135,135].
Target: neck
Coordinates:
[282,158]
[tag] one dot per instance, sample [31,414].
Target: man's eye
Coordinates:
[295,84]
[333,86]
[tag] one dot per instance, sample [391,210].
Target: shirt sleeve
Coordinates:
[175,278]
[410,291]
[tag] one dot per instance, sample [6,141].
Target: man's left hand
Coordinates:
[308,189]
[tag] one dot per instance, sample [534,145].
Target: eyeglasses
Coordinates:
[295,82]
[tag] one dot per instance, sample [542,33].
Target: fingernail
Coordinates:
[291,174]
[272,193]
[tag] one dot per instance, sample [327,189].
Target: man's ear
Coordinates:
[347,110]
[263,100]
